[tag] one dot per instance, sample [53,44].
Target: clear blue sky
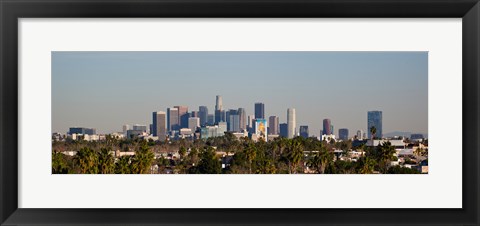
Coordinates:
[106,90]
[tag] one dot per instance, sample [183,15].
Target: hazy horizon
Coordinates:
[105,90]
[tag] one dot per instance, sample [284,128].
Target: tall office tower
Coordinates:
[218,103]
[242,119]
[173,122]
[183,116]
[228,117]
[203,115]
[158,125]
[273,124]
[125,128]
[375,120]
[304,131]
[291,121]
[250,121]
[259,111]
[193,123]
[343,134]
[284,129]
[327,127]
[261,129]
[359,134]
[234,123]
[210,119]
[220,116]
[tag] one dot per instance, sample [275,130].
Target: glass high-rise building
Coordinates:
[259,111]
[327,127]
[273,125]
[375,120]
[218,103]
[203,115]
[291,122]
[173,122]
[183,116]
[193,123]
[304,131]
[242,117]
[343,134]
[283,129]
[210,119]
[233,123]
[158,125]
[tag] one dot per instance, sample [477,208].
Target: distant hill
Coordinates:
[400,133]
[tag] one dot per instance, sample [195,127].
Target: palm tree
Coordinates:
[386,154]
[106,162]
[250,154]
[59,165]
[87,160]
[320,160]
[373,132]
[122,166]
[142,160]
[295,154]
[368,165]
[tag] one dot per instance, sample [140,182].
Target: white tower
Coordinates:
[291,122]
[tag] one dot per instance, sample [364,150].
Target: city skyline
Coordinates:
[404,105]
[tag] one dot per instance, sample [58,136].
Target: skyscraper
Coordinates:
[183,116]
[261,129]
[218,103]
[375,120]
[234,123]
[203,115]
[228,117]
[259,111]
[304,131]
[273,125]
[250,121]
[210,119]
[327,127]
[343,134]
[242,119]
[173,122]
[291,121]
[193,123]
[219,113]
[158,125]
[284,129]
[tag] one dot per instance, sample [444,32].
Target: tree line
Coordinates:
[238,156]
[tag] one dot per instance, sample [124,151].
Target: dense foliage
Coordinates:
[226,155]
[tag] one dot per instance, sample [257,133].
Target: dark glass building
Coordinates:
[375,120]
[284,129]
[82,130]
[304,131]
[259,111]
[343,134]
[203,115]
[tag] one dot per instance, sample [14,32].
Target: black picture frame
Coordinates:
[12,10]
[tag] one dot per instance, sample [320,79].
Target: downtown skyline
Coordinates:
[342,94]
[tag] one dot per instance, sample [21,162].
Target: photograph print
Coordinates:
[239,112]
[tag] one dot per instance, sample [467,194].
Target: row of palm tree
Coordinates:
[281,155]
[102,161]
